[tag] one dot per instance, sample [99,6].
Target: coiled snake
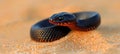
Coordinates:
[60,24]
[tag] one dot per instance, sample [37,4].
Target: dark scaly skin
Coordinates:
[60,24]
[84,21]
[44,31]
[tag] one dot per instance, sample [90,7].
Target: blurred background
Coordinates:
[17,17]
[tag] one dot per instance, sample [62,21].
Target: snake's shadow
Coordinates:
[109,30]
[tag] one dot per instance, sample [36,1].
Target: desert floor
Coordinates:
[17,17]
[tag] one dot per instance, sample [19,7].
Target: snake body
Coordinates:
[60,24]
[43,31]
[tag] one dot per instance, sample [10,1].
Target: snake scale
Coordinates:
[60,24]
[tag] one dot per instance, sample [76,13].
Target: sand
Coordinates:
[17,17]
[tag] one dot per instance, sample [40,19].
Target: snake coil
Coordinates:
[47,31]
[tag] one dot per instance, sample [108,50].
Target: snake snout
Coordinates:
[50,19]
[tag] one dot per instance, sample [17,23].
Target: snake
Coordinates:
[60,24]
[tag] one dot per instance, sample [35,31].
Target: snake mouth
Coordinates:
[65,23]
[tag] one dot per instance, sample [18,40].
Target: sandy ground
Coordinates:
[17,17]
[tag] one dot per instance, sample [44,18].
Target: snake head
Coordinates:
[62,19]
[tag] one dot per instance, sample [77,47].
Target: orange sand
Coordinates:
[17,17]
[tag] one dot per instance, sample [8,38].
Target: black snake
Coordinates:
[60,24]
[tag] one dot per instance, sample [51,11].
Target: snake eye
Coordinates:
[60,18]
